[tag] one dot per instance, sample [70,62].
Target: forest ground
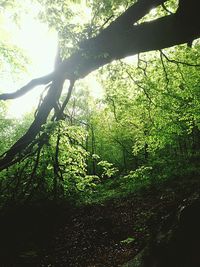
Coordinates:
[99,235]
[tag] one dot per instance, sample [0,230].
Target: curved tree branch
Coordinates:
[29,86]
[114,43]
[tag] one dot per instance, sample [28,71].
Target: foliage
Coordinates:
[108,169]
[128,240]
[12,57]
[141,175]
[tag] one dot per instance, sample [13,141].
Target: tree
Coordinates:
[123,37]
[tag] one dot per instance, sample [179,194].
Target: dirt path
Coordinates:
[106,236]
[93,236]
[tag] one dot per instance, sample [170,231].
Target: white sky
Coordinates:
[40,45]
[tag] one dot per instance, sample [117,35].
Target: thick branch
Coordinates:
[29,86]
[155,35]
[135,13]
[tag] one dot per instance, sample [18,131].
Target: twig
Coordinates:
[178,62]
[140,67]
[166,9]
[164,69]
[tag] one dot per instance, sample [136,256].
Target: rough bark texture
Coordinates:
[120,39]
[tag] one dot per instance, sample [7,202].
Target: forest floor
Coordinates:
[100,235]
